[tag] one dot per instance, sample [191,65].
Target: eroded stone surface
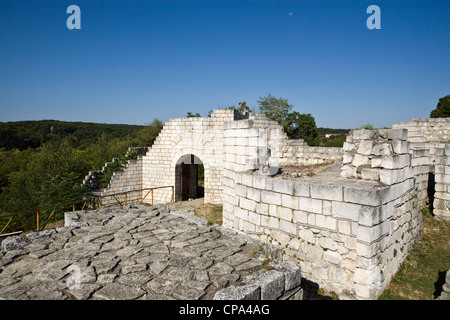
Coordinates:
[132,253]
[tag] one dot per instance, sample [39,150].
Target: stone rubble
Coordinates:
[139,252]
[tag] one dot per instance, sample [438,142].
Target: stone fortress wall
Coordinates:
[349,226]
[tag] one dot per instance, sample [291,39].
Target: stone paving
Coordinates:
[138,252]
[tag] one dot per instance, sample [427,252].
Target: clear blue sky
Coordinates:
[133,61]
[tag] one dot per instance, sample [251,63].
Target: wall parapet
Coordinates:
[337,231]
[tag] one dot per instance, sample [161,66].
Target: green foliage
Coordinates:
[33,134]
[442,108]
[110,169]
[303,126]
[191,115]
[277,109]
[51,172]
[333,141]
[61,188]
[296,125]
[367,126]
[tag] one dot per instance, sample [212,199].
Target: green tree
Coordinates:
[296,125]
[61,188]
[442,108]
[277,109]
[303,126]
[191,115]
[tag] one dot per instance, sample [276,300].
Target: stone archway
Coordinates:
[187,184]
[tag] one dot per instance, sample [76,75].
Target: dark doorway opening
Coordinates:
[189,175]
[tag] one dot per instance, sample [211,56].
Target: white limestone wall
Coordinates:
[349,235]
[426,129]
[202,137]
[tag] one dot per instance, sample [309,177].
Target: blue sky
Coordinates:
[133,61]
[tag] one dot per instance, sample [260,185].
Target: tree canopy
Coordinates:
[296,125]
[442,108]
[40,166]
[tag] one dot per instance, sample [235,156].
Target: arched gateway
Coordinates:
[187,170]
[174,159]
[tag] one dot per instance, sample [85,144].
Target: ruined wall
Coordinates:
[432,137]
[426,129]
[349,231]
[349,227]
[201,137]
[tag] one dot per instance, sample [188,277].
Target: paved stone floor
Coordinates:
[138,252]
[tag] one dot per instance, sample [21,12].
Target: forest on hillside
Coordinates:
[43,163]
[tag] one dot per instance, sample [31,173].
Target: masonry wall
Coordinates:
[349,233]
[432,136]
[129,177]
[426,129]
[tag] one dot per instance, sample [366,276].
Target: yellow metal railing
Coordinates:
[94,202]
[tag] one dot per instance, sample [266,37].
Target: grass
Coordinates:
[210,212]
[421,275]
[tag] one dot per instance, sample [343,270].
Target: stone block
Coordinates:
[369,216]
[395,161]
[301,189]
[262,208]
[247,292]
[347,158]
[326,192]
[326,222]
[327,208]
[284,213]
[348,171]
[289,201]
[349,146]
[345,210]
[283,186]
[271,197]
[288,227]
[395,191]
[247,180]
[332,257]
[400,146]
[247,204]
[370,234]
[397,134]
[365,147]
[344,227]
[310,205]
[370,174]
[240,190]
[292,274]
[362,195]
[306,235]
[328,243]
[259,182]
[300,216]
[254,194]
[241,213]
[270,222]
[394,176]
[272,284]
[360,160]
[383,149]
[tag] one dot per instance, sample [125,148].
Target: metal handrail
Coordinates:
[94,199]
